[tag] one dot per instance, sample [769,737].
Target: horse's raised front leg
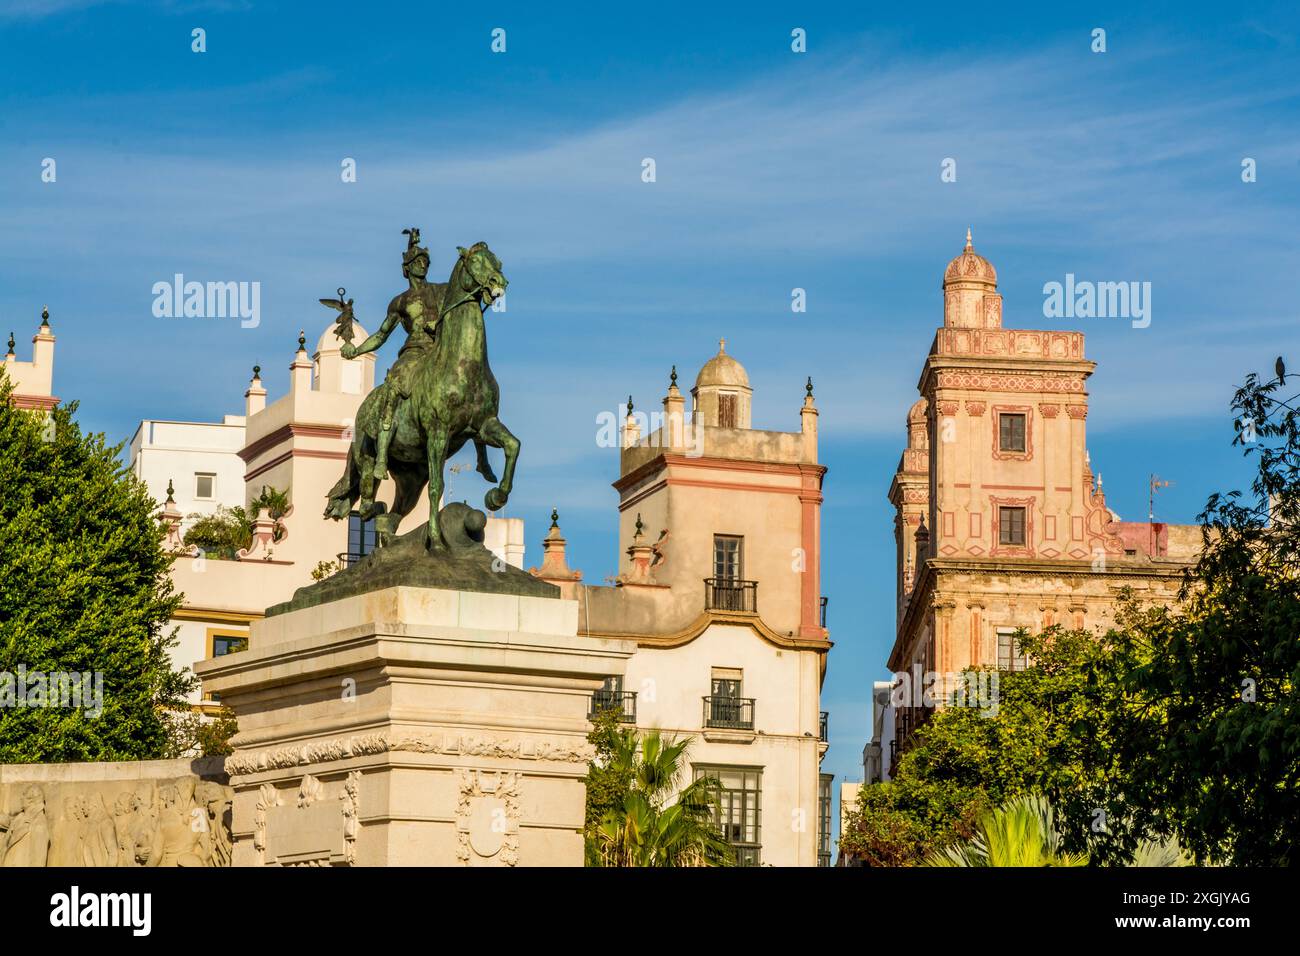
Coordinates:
[496,434]
[437,439]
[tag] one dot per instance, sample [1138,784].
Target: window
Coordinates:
[219,645]
[1011,656]
[223,644]
[726,411]
[824,819]
[726,687]
[738,814]
[1011,525]
[724,707]
[361,537]
[205,485]
[728,558]
[1011,432]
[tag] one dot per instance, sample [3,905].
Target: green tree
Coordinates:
[192,734]
[1213,730]
[84,588]
[226,531]
[1050,728]
[636,814]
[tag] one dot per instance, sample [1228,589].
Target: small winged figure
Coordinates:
[343,325]
[1280,367]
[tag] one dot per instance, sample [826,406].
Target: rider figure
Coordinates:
[418,310]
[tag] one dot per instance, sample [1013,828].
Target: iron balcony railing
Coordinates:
[748,855]
[731,713]
[349,558]
[723,594]
[823,726]
[623,702]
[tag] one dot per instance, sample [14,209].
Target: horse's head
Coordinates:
[477,276]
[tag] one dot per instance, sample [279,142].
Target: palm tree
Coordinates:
[1022,832]
[646,829]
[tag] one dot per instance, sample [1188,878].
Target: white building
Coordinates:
[720,523]
[198,461]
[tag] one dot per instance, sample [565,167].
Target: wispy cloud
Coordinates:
[827,180]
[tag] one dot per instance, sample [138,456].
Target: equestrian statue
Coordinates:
[438,395]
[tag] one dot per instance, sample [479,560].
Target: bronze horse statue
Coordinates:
[450,397]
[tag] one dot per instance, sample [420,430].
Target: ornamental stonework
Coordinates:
[468,745]
[998,382]
[995,341]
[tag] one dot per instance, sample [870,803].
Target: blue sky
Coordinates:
[774,171]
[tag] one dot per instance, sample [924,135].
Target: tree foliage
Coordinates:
[1214,732]
[226,531]
[84,589]
[1052,732]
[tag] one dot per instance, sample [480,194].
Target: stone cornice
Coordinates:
[286,432]
[698,626]
[1053,372]
[676,459]
[1117,573]
[215,616]
[42,403]
[365,745]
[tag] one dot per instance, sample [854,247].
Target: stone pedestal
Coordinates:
[413,727]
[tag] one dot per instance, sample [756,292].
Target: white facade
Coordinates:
[877,755]
[777,750]
[200,460]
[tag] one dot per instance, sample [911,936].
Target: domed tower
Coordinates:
[970,292]
[910,496]
[333,373]
[722,397]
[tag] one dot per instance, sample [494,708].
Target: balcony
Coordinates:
[348,558]
[721,594]
[823,726]
[621,701]
[729,713]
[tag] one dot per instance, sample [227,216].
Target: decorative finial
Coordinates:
[808,387]
[969,246]
[302,341]
[629,406]
[639,525]
[1099,481]
[673,377]
[257,372]
[171,491]
[11,343]
[555,518]
[45,316]
[722,346]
